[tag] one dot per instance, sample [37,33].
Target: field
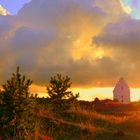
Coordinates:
[88,121]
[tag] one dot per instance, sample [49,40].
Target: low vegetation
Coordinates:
[61,116]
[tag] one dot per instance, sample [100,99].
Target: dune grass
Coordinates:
[84,124]
[78,123]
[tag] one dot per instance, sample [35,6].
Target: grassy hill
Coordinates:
[106,121]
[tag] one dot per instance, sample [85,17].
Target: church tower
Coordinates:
[121,92]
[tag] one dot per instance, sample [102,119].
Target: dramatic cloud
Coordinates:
[85,39]
[123,40]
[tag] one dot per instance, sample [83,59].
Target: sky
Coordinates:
[13,6]
[95,42]
[132,7]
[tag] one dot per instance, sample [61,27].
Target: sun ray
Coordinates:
[125,7]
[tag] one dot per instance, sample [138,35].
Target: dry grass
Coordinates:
[91,123]
[94,115]
[88,126]
[61,121]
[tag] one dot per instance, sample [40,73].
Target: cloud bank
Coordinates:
[92,41]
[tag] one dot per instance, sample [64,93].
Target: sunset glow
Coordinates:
[69,69]
[89,94]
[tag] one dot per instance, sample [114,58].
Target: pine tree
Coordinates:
[16,106]
[59,95]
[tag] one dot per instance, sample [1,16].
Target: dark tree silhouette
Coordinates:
[16,106]
[96,100]
[60,96]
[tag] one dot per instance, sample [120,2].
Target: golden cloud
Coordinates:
[3,11]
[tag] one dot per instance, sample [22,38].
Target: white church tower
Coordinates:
[121,92]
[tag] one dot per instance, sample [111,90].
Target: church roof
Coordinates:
[121,83]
